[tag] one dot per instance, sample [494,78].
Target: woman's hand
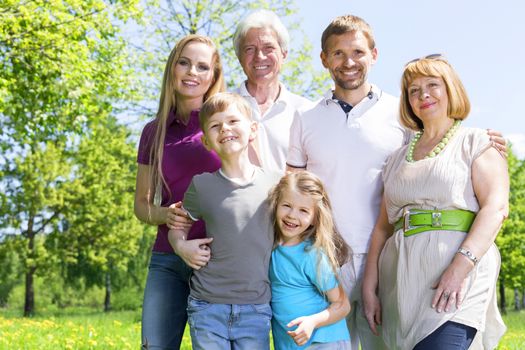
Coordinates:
[177,218]
[372,310]
[451,287]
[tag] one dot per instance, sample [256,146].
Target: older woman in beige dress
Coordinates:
[432,266]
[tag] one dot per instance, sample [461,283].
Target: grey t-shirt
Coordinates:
[237,217]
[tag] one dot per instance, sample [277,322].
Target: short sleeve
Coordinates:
[320,272]
[296,155]
[191,202]
[391,161]
[477,142]
[145,144]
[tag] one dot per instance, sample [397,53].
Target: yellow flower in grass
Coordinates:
[117,323]
[70,343]
[5,322]
[48,324]
[92,332]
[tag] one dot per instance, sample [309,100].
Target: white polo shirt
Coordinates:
[348,154]
[274,126]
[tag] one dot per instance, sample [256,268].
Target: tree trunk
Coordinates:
[107,299]
[523,298]
[517,301]
[29,302]
[502,306]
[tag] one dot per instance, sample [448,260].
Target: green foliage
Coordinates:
[100,232]
[511,239]
[61,63]
[63,67]
[54,294]
[10,271]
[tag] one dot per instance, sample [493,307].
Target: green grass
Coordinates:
[514,339]
[87,329]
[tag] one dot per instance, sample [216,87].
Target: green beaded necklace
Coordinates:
[438,148]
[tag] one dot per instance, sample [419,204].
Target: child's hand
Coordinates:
[196,252]
[306,326]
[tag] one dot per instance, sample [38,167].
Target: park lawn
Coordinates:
[85,329]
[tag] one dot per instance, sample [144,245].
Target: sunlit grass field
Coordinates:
[84,329]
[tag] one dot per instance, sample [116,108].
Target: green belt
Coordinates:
[419,220]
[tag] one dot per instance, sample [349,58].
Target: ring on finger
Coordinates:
[446,295]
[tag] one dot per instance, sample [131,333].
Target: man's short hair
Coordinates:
[346,24]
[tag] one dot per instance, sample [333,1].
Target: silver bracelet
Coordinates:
[468,254]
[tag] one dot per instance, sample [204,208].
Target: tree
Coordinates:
[511,239]
[101,234]
[63,69]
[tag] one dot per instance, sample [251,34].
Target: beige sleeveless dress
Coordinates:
[410,266]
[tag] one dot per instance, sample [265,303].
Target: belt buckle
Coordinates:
[436,219]
[406,219]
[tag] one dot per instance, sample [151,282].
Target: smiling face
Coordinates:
[228,132]
[348,58]
[294,215]
[261,56]
[193,71]
[428,98]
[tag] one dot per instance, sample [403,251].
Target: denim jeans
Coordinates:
[165,300]
[229,326]
[450,336]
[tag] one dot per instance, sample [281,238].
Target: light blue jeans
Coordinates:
[229,326]
[165,300]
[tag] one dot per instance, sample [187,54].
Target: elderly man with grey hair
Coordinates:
[261,45]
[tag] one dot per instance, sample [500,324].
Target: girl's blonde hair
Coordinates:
[322,232]
[168,101]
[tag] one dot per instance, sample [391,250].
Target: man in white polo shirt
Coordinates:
[345,139]
[261,45]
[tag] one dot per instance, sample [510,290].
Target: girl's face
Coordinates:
[295,214]
[193,71]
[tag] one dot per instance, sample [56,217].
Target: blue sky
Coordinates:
[483,40]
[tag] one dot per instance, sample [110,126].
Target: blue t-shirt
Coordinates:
[296,292]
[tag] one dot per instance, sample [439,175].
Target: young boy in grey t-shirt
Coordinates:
[229,299]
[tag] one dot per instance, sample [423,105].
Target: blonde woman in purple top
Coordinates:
[170,154]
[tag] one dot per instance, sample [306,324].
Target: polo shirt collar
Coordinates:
[283,93]
[374,94]
[173,120]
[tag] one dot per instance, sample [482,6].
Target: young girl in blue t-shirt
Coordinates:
[308,303]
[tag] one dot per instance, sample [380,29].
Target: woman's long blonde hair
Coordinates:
[168,102]
[322,232]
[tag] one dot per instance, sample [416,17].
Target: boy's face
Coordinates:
[228,132]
